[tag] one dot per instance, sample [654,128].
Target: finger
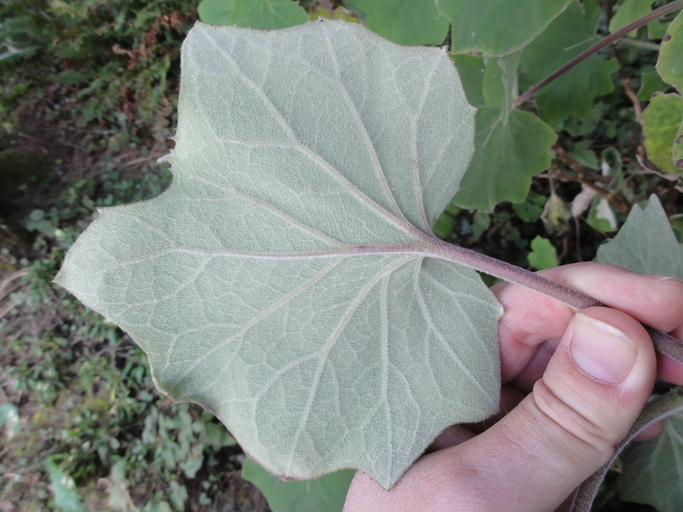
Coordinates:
[531,319]
[596,383]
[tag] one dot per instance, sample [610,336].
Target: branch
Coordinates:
[666,9]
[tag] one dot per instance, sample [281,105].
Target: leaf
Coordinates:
[259,14]
[661,121]
[645,244]
[670,61]
[653,469]
[670,67]
[288,280]
[651,83]
[471,69]
[507,156]
[573,93]
[326,494]
[409,22]
[497,27]
[628,12]
[543,255]
[63,487]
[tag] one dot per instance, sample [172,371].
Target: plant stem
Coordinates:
[666,9]
[663,342]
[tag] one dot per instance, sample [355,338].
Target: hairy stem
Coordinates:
[663,342]
[666,9]
[658,409]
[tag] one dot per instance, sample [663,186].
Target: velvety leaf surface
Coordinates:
[661,121]
[409,22]
[288,280]
[325,494]
[653,470]
[506,158]
[497,27]
[574,92]
[259,14]
[645,244]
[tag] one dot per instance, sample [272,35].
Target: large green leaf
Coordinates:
[507,156]
[574,92]
[288,280]
[661,122]
[670,67]
[497,27]
[628,12]
[653,472]
[325,494]
[409,22]
[262,14]
[670,61]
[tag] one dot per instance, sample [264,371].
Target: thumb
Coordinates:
[594,387]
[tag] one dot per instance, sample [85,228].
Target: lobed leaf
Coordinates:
[288,280]
[661,122]
[670,61]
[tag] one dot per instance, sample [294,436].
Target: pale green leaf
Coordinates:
[628,12]
[63,487]
[260,14]
[288,280]
[670,61]
[543,255]
[326,494]
[653,470]
[661,121]
[497,27]
[506,158]
[409,22]
[574,92]
[645,244]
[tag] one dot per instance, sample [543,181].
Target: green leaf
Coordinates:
[628,12]
[260,14]
[670,61]
[497,27]
[678,149]
[288,280]
[574,92]
[63,488]
[645,244]
[652,469]
[326,494]
[506,158]
[409,22]
[471,69]
[651,83]
[543,255]
[661,121]
[9,420]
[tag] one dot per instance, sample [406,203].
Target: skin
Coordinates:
[558,424]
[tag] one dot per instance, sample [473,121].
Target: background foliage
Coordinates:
[87,103]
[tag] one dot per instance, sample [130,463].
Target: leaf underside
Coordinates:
[288,280]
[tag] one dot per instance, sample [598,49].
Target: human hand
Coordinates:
[573,384]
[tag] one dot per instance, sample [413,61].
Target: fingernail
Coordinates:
[600,350]
[662,278]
